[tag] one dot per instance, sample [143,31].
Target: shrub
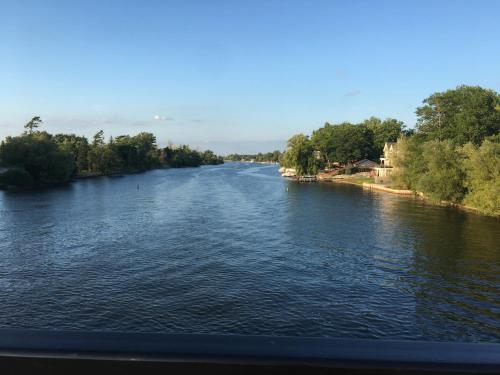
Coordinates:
[482,167]
[444,177]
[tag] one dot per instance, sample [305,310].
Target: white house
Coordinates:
[383,173]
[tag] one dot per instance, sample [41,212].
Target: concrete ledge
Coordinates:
[367,185]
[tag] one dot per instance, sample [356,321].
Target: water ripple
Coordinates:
[237,249]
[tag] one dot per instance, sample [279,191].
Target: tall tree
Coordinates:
[37,157]
[145,145]
[482,168]
[323,141]
[388,130]
[443,179]
[299,155]
[462,115]
[33,124]
[409,165]
[98,138]
[78,146]
[352,142]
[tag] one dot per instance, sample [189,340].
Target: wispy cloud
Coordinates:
[352,93]
[162,118]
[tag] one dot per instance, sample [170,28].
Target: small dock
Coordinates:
[307,178]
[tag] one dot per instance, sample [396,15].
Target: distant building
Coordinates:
[366,164]
[383,173]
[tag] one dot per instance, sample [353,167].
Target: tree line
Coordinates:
[452,155]
[267,157]
[37,158]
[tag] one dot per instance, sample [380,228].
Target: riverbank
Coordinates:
[422,196]
[123,173]
[87,176]
[345,181]
[352,179]
[373,186]
[363,180]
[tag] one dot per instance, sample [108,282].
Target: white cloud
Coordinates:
[162,118]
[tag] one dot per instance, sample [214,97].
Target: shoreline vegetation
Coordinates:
[451,157]
[273,157]
[38,159]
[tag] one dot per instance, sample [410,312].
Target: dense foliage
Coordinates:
[300,155]
[462,115]
[183,156]
[482,170]
[455,154]
[38,158]
[388,130]
[35,159]
[440,170]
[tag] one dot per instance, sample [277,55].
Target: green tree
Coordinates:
[299,155]
[352,142]
[145,145]
[409,164]
[324,142]
[76,145]
[102,158]
[388,130]
[38,156]
[209,158]
[344,142]
[482,168]
[433,168]
[32,125]
[462,115]
[127,151]
[98,138]
[443,179]
[182,156]
[274,156]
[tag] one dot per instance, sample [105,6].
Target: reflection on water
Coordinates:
[237,249]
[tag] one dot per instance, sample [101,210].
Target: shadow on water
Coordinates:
[444,263]
[455,273]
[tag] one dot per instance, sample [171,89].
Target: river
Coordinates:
[236,249]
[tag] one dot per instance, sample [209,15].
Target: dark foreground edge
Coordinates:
[77,352]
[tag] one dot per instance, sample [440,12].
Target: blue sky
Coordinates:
[235,75]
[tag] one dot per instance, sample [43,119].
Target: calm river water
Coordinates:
[237,249]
